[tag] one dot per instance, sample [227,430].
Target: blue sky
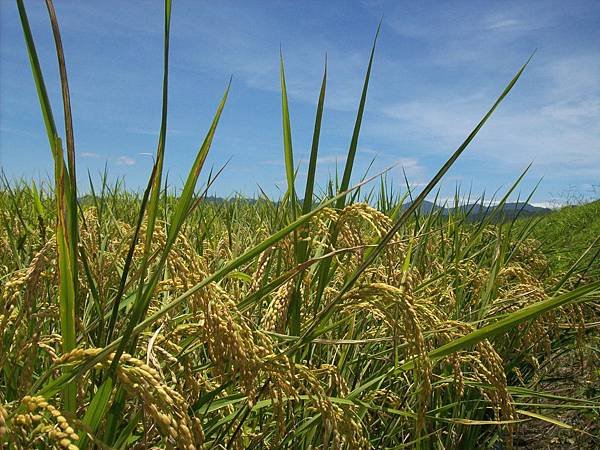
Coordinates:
[438,67]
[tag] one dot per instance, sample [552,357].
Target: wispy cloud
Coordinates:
[331,159]
[125,161]
[552,204]
[503,24]
[557,126]
[89,155]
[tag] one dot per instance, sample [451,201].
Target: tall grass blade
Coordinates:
[343,186]
[153,206]
[179,214]
[359,115]
[128,260]
[287,140]
[302,250]
[65,208]
[314,150]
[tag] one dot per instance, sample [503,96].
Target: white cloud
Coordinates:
[409,163]
[557,126]
[552,204]
[125,161]
[574,74]
[502,24]
[412,169]
[89,155]
[331,159]
[447,118]
[573,111]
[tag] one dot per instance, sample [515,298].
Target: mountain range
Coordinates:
[476,211]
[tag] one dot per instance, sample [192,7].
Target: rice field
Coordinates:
[341,317]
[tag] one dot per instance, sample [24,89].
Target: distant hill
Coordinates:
[508,211]
[476,211]
[427,207]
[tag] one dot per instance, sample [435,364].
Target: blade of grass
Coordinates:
[142,301]
[64,206]
[73,230]
[302,253]
[314,150]
[355,134]
[325,266]
[128,260]
[180,213]
[287,140]
[153,206]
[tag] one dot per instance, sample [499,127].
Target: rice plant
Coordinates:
[347,320]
